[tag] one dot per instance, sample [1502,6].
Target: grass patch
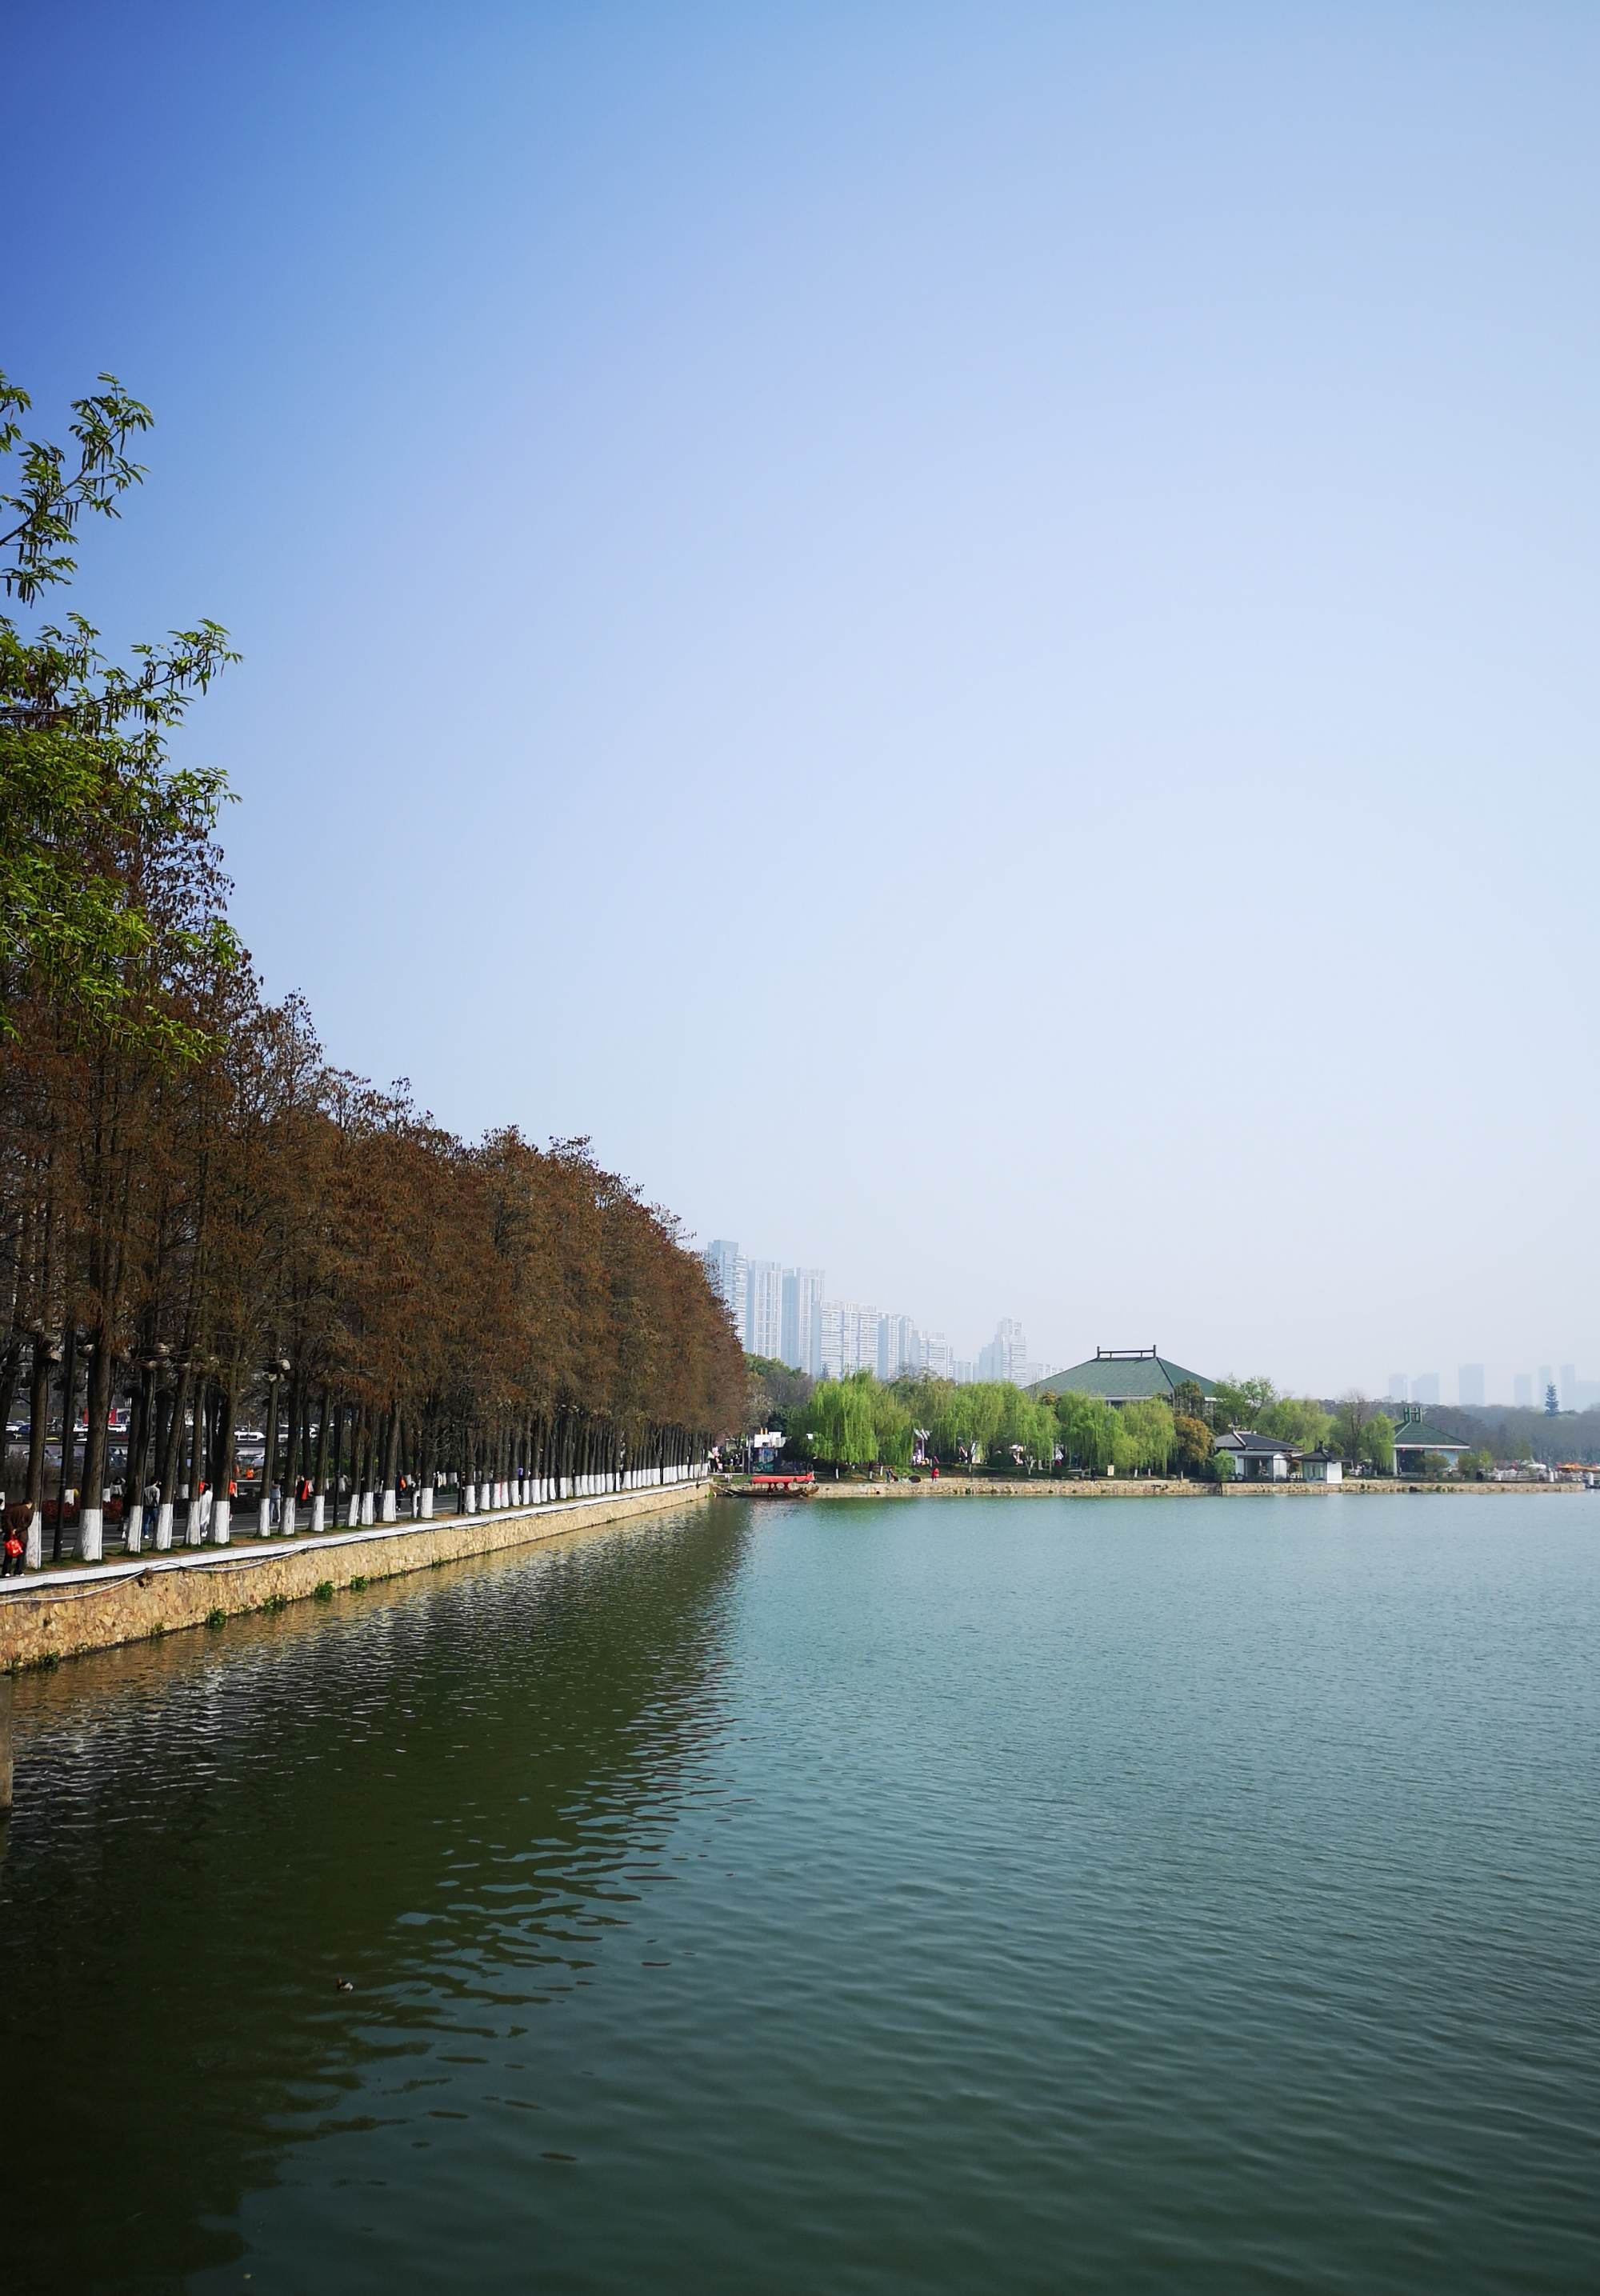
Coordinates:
[322,1592]
[358,1586]
[275,1603]
[216,1617]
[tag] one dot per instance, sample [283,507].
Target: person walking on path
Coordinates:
[11,1566]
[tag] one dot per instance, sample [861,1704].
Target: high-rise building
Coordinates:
[1399,1387]
[724,1264]
[801,1343]
[962,1370]
[1424,1389]
[936,1355]
[1521,1389]
[900,1347]
[849,1338]
[763,1307]
[1005,1356]
[1469,1386]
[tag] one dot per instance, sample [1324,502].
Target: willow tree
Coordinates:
[1088,1425]
[1026,1426]
[840,1422]
[893,1434]
[1147,1427]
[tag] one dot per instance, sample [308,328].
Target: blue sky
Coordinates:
[966,632]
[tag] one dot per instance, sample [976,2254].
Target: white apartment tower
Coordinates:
[936,1355]
[763,1307]
[801,1341]
[849,1338]
[1006,1355]
[724,1264]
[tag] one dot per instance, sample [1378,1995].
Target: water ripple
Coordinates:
[889,1900]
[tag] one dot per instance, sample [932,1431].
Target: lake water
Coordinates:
[983,1896]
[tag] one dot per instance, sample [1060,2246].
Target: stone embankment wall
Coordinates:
[41,1621]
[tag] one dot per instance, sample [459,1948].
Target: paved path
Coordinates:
[202,1558]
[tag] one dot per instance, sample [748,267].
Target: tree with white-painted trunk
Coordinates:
[47,1355]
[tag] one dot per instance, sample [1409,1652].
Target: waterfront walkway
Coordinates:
[60,1613]
[298,1542]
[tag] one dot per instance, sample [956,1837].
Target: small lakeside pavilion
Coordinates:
[1415,1435]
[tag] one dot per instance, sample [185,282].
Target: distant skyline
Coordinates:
[965,632]
[786,1311]
[787,1314]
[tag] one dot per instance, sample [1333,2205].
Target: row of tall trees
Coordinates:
[199,1213]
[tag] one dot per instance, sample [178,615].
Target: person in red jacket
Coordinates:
[11,1567]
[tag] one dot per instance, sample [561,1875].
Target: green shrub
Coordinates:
[275,1603]
[358,1586]
[218,1618]
[322,1592]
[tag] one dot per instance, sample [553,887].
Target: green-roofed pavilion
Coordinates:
[1123,1375]
[1417,1434]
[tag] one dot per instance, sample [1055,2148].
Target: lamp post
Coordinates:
[277,1369]
[138,1452]
[47,1355]
[200,1464]
[170,1472]
[69,1443]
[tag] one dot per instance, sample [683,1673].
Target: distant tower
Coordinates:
[1399,1388]
[725,1264]
[763,1307]
[1005,1356]
[803,1318]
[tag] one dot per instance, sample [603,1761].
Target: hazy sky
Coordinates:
[967,632]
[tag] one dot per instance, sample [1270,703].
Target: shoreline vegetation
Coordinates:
[860,1422]
[201,1217]
[919,1486]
